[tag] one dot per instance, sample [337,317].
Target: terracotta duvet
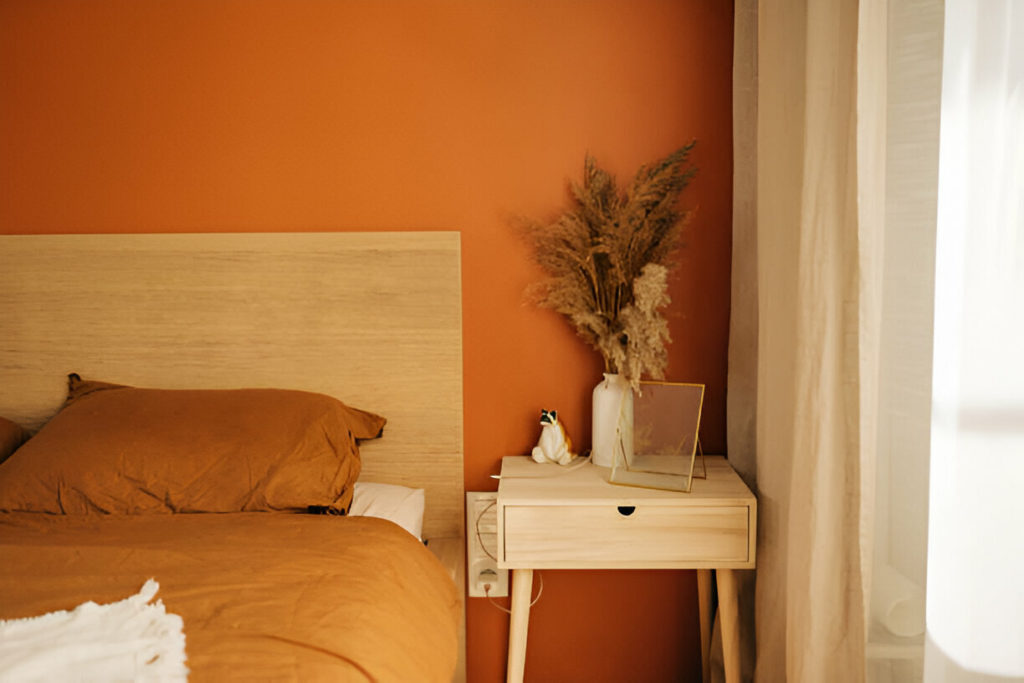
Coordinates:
[264,596]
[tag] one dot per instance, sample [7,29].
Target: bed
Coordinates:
[350,326]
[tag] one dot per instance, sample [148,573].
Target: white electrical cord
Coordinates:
[559,470]
[477,525]
[487,586]
[487,592]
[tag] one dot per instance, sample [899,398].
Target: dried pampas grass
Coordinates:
[607,261]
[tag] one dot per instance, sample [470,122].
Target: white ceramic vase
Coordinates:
[612,421]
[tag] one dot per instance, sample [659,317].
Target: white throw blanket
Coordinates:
[130,640]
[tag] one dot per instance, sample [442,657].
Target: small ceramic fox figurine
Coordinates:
[554,444]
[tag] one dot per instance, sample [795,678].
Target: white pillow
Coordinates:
[399,504]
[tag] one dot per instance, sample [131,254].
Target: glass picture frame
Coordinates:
[658,447]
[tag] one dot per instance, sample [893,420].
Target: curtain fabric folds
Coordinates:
[814,219]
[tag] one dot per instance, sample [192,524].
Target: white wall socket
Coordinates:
[482,546]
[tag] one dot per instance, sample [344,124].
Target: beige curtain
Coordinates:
[804,341]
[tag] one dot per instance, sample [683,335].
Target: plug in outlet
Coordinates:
[482,546]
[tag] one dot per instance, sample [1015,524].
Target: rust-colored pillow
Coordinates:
[123,450]
[12,435]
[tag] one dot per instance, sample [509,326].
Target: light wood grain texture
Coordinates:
[373,319]
[600,536]
[522,588]
[573,518]
[527,482]
[728,612]
[704,579]
[556,518]
[452,554]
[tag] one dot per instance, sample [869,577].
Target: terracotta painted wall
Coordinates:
[202,115]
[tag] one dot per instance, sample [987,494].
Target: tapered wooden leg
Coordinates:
[522,588]
[729,613]
[704,603]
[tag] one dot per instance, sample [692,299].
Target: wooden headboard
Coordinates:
[373,319]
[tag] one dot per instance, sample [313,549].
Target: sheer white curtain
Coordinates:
[975,609]
[895,640]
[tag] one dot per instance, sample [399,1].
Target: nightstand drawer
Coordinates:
[607,535]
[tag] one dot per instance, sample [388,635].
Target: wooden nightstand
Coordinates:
[550,517]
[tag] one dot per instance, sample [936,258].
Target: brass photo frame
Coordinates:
[659,443]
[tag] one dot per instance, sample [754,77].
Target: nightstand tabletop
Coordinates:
[524,481]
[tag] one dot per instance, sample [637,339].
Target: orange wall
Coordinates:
[202,115]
